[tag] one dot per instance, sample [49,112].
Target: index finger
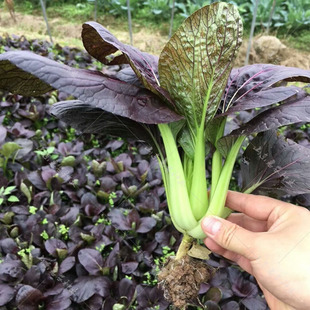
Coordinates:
[255,206]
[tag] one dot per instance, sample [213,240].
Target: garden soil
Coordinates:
[265,49]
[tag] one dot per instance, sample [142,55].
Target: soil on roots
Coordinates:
[180,279]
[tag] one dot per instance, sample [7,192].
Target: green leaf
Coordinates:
[187,143]
[26,191]
[13,199]
[1,201]
[202,49]
[9,148]
[8,190]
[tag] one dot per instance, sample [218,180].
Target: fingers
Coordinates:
[230,236]
[258,207]
[247,222]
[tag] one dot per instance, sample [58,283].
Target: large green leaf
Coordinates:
[202,50]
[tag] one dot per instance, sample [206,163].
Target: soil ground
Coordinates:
[148,40]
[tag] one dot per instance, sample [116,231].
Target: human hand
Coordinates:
[270,239]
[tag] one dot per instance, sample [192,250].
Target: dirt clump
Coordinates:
[180,279]
[269,49]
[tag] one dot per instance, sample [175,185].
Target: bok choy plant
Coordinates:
[184,105]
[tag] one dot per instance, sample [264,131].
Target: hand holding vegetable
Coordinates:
[266,239]
[184,104]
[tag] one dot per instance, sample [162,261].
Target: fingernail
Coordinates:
[211,225]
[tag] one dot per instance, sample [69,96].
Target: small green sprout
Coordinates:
[44,235]
[100,248]
[44,221]
[32,209]
[112,196]
[63,230]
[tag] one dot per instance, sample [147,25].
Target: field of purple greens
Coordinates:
[83,220]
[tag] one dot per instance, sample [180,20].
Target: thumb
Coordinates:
[229,235]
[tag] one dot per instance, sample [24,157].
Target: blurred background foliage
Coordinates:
[281,16]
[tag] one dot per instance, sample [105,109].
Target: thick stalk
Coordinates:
[217,204]
[178,203]
[188,171]
[184,247]
[199,193]
[216,171]
[217,159]
[164,173]
[218,201]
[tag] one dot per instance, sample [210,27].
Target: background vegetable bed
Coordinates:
[63,195]
[64,244]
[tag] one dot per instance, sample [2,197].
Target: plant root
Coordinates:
[181,278]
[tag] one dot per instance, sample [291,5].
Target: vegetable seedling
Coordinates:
[184,104]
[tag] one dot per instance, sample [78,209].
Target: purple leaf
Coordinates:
[274,166]
[129,267]
[88,119]
[125,159]
[254,303]
[6,294]
[113,257]
[8,245]
[85,287]
[25,71]
[127,289]
[263,98]
[26,147]
[33,276]
[66,264]
[11,270]
[119,220]
[145,225]
[91,260]
[52,245]
[19,130]
[107,183]
[28,298]
[285,114]
[231,305]
[95,302]
[115,145]
[148,297]
[240,286]
[100,43]
[58,298]
[91,205]
[35,178]
[254,78]
[70,217]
